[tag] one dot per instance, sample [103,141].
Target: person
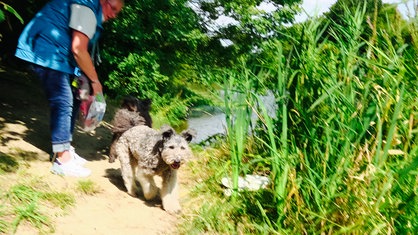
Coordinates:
[57,44]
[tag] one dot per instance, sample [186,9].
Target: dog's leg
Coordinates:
[148,186]
[169,192]
[127,167]
[112,149]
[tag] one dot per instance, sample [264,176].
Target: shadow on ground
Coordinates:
[115,177]
[22,102]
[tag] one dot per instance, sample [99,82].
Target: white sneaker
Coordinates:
[78,160]
[70,168]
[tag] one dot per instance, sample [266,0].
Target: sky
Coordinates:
[317,7]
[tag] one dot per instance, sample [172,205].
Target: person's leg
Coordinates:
[60,98]
[58,92]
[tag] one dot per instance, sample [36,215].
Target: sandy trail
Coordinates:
[24,127]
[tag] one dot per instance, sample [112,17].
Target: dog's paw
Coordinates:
[172,207]
[151,192]
[133,191]
[174,210]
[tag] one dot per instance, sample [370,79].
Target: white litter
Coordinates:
[249,183]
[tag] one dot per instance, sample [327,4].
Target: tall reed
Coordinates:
[238,119]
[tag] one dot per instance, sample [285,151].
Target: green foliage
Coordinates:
[27,201]
[59,199]
[88,187]
[348,110]
[151,51]
[342,152]
[4,15]
[30,212]
[138,76]
[251,24]
[159,49]
[342,8]
[11,10]
[16,15]
[3,223]
[238,119]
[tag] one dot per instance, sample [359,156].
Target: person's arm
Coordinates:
[79,47]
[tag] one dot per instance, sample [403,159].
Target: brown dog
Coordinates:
[133,112]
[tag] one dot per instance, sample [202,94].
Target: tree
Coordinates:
[5,20]
[152,50]
[12,21]
[158,49]
[252,21]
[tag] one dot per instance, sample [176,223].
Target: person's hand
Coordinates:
[96,86]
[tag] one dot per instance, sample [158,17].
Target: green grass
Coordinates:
[33,202]
[87,187]
[26,200]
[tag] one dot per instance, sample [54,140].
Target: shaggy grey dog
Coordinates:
[144,152]
[133,112]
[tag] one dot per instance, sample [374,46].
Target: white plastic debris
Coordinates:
[249,183]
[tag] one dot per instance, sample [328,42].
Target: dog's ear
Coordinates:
[166,131]
[146,102]
[145,105]
[189,134]
[130,103]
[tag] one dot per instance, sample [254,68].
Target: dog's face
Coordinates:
[175,148]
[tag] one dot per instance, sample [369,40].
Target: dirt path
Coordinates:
[24,127]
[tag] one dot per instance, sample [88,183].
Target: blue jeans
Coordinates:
[63,106]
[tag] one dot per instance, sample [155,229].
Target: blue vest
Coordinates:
[46,40]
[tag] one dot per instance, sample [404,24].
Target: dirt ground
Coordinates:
[24,126]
